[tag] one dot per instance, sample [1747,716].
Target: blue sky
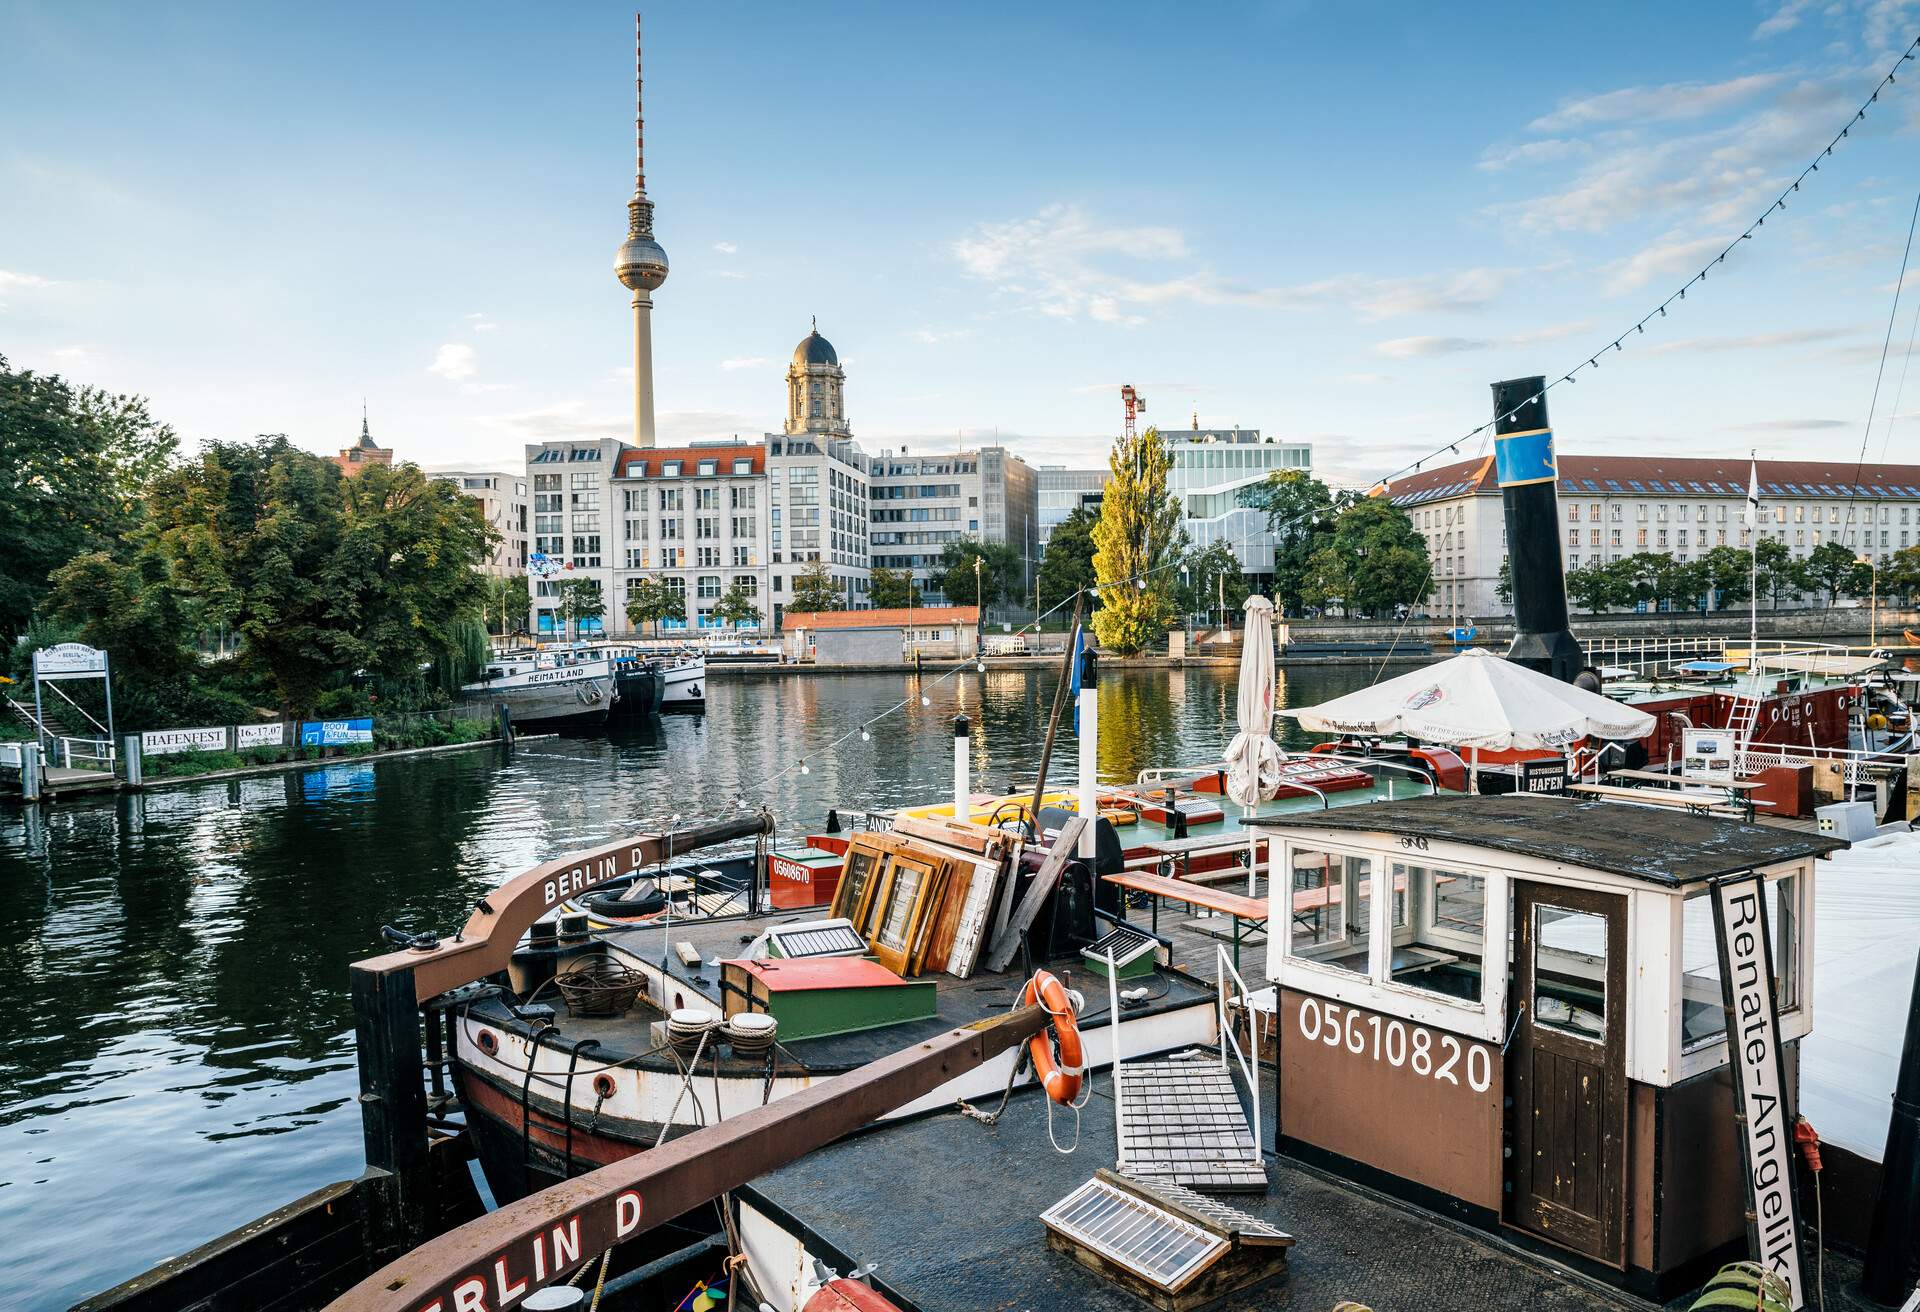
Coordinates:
[1333,222]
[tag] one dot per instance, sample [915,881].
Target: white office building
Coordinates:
[921,504]
[1615,506]
[503,504]
[1211,468]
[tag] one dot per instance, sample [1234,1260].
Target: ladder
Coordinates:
[1746,709]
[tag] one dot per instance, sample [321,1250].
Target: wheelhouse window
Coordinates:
[1703,1016]
[1440,931]
[1570,972]
[1332,909]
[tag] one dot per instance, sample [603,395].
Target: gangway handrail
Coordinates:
[1222,969]
[54,687]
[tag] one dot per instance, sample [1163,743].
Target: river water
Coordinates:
[180,1057]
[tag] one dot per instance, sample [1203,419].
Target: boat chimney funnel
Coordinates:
[1525,468]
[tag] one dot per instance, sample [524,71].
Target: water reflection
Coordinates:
[174,965]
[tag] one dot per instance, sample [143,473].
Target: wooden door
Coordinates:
[1566,1069]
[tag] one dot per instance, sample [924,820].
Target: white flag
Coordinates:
[1753,491]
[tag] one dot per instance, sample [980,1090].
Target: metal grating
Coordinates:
[1126,945]
[1146,1240]
[1224,1217]
[1181,1121]
[817,938]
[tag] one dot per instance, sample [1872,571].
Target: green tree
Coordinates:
[1683,583]
[892,588]
[73,466]
[1138,535]
[1900,574]
[1207,575]
[1729,578]
[1300,513]
[1590,587]
[1327,583]
[738,606]
[997,574]
[579,600]
[813,590]
[1503,586]
[1067,567]
[1385,557]
[507,603]
[650,601]
[1640,578]
[402,580]
[1778,576]
[1832,569]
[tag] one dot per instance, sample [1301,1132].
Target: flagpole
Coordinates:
[1753,602]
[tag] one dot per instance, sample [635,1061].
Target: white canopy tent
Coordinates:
[1474,700]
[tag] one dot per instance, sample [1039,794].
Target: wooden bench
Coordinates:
[1242,908]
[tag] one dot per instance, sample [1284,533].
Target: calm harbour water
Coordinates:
[180,1057]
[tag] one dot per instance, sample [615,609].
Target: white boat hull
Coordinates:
[686,686]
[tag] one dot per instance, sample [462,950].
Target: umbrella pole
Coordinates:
[1473,770]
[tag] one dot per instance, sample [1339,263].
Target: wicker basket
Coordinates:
[595,986]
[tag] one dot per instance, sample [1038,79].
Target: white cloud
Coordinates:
[933,336]
[1662,259]
[1411,348]
[562,419]
[481,324]
[1791,425]
[743,362]
[1062,263]
[731,273]
[1750,341]
[1497,158]
[727,247]
[455,362]
[1661,104]
[10,281]
[1783,19]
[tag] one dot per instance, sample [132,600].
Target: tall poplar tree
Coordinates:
[1138,535]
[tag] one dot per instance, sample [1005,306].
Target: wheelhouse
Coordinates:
[1510,1009]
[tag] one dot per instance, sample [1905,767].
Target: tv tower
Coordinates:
[641,265]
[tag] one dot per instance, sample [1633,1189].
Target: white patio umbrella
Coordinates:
[1475,700]
[1253,758]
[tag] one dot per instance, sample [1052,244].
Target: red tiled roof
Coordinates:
[647,464]
[894,618]
[1675,475]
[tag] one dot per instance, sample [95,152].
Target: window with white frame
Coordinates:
[1703,1016]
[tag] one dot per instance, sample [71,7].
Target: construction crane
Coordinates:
[1134,402]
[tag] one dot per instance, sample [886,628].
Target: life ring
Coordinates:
[1059,1075]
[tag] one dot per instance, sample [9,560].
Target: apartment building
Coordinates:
[1615,506]
[817,483]
[503,503]
[920,504]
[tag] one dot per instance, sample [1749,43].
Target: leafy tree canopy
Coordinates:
[1067,567]
[892,588]
[650,601]
[1205,576]
[999,572]
[73,463]
[813,590]
[738,606]
[1137,536]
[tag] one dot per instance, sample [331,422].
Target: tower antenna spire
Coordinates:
[641,265]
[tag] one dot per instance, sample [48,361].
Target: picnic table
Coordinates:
[1243,909]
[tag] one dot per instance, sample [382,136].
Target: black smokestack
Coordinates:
[1524,465]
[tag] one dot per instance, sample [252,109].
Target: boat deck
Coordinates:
[960,1232]
[959,1001]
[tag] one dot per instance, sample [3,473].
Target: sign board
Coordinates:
[258,735]
[1707,755]
[69,660]
[166,742]
[335,733]
[1548,775]
[1759,1077]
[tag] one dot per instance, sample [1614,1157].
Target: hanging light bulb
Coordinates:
[982,664]
[865,737]
[803,766]
[1141,582]
[925,700]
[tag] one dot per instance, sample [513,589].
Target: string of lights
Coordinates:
[1639,326]
[1617,345]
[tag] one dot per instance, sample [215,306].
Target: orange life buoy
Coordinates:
[1060,1076]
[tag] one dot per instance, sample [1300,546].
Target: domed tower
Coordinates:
[816,388]
[641,265]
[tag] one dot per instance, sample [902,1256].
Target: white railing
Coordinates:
[84,753]
[1651,653]
[1113,1033]
[1223,969]
[12,756]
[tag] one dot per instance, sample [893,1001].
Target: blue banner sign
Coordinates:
[335,733]
[1522,458]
